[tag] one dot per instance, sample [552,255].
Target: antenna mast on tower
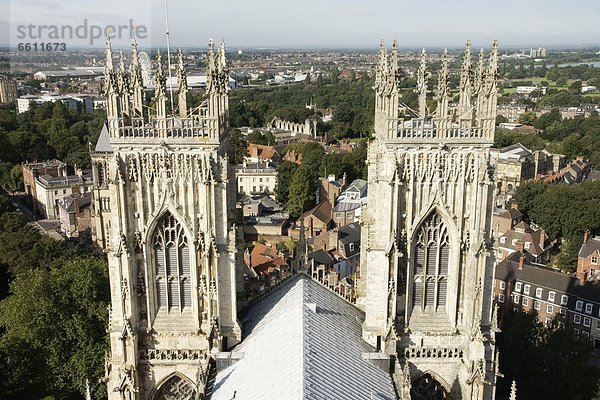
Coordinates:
[169,55]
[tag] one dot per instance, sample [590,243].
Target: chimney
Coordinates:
[331,178]
[586,236]
[344,178]
[76,204]
[514,205]
[520,246]
[542,238]
[521,261]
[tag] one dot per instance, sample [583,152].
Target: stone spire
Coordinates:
[109,69]
[182,87]
[443,89]
[513,391]
[217,87]
[421,89]
[123,84]
[111,90]
[394,62]
[466,85]
[381,70]
[386,91]
[211,67]
[122,69]
[222,59]
[491,81]
[160,90]
[478,86]
[137,82]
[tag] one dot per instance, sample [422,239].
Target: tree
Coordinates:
[548,119]
[237,149]
[302,191]
[285,172]
[564,211]
[575,87]
[527,118]
[355,162]
[529,352]
[561,81]
[312,156]
[54,330]
[500,119]
[526,194]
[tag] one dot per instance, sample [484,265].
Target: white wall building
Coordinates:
[256,178]
[52,189]
[77,101]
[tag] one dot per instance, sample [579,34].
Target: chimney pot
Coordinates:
[521,261]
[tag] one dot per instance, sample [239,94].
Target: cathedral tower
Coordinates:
[426,266]
[164,204]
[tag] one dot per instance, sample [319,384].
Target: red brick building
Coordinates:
[588,261]
[549,294]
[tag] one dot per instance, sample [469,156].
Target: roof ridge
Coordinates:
[304,337]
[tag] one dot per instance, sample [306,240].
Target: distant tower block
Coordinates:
[164,208]
[426,268]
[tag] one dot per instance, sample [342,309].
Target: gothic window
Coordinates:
[426,387]
[172,266]
[101,175]
[176,388]
[431,258]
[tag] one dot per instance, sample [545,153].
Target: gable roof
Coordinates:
[321,211]
[261,151]
[68,202]
[592,246]
[302,341]
[522,232]
[357,185]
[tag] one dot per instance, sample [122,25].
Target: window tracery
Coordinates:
[172,268]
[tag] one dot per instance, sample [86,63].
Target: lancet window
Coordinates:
[172,270]
[430,269]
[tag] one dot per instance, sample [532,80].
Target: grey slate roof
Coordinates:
[508,271]
[589,248]
[321,257]
[302,341]
[344,206]
[68,202]
[350,234]
[357,185]
[103,144]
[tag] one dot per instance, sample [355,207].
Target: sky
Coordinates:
[311,23]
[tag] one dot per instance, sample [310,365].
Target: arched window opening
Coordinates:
[431,259]
[176,388]
[101,175]
[426,387]
[172,266]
